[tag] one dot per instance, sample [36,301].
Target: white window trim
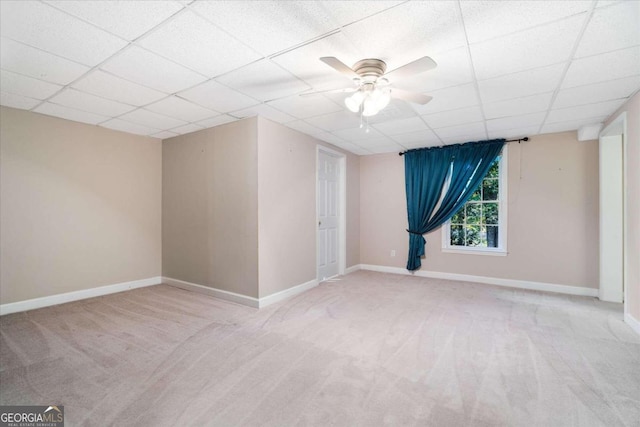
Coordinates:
[501,250]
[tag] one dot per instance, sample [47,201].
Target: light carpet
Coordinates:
[368,349]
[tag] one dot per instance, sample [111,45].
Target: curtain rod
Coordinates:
[519,140]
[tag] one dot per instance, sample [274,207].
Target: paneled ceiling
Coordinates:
[165,68]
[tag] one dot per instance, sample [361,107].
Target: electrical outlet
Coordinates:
[393,252]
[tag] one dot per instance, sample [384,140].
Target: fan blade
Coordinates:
[346,90]
[414,97]
[339,66]
[415,67]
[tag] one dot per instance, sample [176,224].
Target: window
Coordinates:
[480,226]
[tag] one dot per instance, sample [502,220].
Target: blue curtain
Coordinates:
[427,172]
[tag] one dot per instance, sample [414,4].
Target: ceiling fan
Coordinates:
[373,89]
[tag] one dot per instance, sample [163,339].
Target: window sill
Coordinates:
[474,251]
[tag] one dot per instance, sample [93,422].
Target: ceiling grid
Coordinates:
[166,68]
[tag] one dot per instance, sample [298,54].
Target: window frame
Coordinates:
[501,250]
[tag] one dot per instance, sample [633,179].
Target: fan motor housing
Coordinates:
[370,68]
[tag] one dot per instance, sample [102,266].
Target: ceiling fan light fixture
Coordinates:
[354,101]
[381,98]
[369,107]
[375,100]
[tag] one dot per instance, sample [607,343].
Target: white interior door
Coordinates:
[328,215]
[611,219]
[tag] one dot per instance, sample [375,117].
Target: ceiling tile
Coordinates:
[602,3]
[329,137]
[217,121]
[197,44]
[395,110]
[599,68]
[335,121]
[524,83]
[358,134]
[516,122]
[304,127]
[152,120]
[533,48]
[18,101]
[476,128]
[165,134]
[46,28]
[125,126]
[395,127]
[361,151]
[461,139]
[351,147]
[451,98]
[454,69]
[143,67]
[70,113]
[381,149]
[611,28]
[518,106]
[347,12]
[382,141]
[514,133]
[118,89]
[26,86]
[264,111]
[408,31]
[269,26]
[420,138]
[304,62]
[86,102]
[191,127]
[598,92]
[26,60]
[306,106]
[264,81]
[181,109]
[571,125]
[127,19]
[584,111]
[454,117]
[488,19]
[415,145]
[218,97]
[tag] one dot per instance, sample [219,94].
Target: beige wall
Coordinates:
[287,207]
[632,181]
[210,207]
[239,207]
[353,210]
[80,206]
[552,215]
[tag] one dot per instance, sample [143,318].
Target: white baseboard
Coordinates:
[633,322]
[214,292]
[32,304]
[512,283]
[287,293]
[352,269]
[239,298]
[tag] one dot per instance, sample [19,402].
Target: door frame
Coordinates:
[342,210]
[619,127]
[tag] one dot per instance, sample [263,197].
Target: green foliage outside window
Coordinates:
[476,223]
